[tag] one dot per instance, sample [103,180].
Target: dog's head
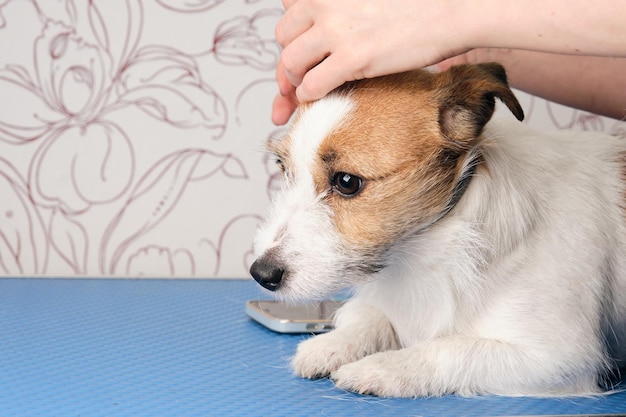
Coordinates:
[372,164]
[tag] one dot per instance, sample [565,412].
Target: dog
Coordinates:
[483,257]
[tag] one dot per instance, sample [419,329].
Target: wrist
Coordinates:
[475,24]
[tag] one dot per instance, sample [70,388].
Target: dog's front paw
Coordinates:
[321,355]
[385,374]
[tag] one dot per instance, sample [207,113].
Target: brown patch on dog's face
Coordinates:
[407,140]
[393,144]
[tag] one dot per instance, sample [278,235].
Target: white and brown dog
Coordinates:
[486,258]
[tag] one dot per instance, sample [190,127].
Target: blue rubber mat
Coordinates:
[181,348]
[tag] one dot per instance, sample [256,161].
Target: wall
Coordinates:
[131,135]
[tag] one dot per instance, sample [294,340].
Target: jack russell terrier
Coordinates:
[485,257]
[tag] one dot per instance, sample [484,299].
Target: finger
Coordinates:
[294,22]
[288,3]
[282,109]
[323,78]
[284,85]
[305,52]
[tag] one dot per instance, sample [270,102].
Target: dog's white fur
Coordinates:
[519,290]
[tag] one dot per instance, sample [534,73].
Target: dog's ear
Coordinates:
[466,97]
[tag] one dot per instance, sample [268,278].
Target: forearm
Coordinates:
[583,27]
[594,84]
[329,42]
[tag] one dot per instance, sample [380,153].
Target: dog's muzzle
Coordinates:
[267,271]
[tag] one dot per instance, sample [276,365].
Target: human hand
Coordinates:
[327,43]
[286,101]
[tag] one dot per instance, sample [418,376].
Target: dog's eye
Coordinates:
[346,184]
[280,165]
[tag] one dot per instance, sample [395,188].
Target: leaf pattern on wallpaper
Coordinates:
[202,258]
[80,159]
[239,41]
[229,241]
[73,75]
[3,21]
[155,195]
[166,84]
[80,166]
[60,10]
[106,14]
[18,126]
[189,6]
[69,239]
[23,244]
[564,118]
[154,261]
[80,71]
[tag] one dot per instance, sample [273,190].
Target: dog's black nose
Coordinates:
[267,273]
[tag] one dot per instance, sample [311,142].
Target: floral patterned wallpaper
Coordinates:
[131,135]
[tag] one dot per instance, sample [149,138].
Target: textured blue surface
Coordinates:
[183,349]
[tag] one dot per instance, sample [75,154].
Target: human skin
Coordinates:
[595,84]
[327,42]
